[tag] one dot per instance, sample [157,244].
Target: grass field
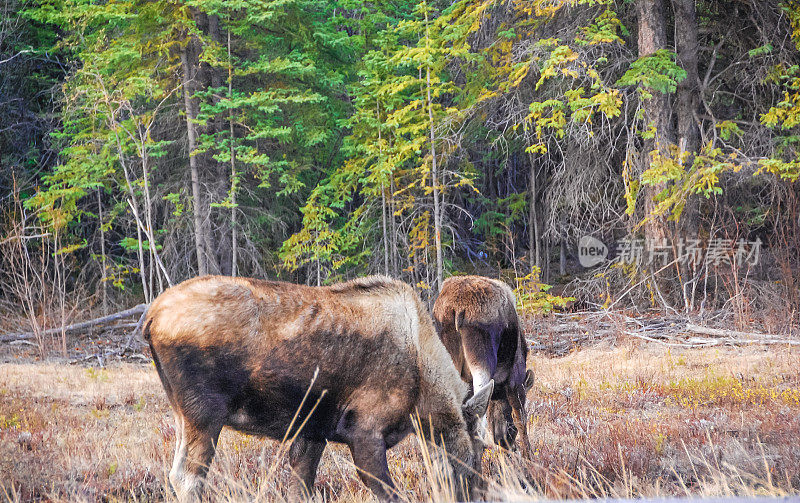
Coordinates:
[626,420]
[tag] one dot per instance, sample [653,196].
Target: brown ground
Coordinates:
[629,419]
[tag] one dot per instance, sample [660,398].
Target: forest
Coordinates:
[145,142]
[628,167]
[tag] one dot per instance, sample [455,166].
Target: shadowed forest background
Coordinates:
[146,142]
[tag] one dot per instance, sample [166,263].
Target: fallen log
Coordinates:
[717,332]
[671,344]
[790,342]
[137,330]
[564,327]
[76,327]
[559,347]
[700,342]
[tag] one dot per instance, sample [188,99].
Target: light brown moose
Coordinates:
[476,318]
[244,353]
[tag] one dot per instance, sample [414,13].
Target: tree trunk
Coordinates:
[135,208]
[219,262]
[103,267]
[199,239]
[688,99]
[385,232]
[234,231]
[395,267]
[533,220]
[155,258]
[437,210]
[383,195]
[546,262]
[653,37]
[148,219]
[688,102]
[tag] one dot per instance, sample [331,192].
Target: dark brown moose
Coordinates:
[244,353]
[476,318]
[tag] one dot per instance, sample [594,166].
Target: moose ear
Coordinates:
[477,405]
[528,379]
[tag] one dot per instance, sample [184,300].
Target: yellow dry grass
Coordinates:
[629,420]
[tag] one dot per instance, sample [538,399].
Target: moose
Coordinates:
[476,318]
[354,361]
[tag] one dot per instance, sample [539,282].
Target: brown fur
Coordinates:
[243,353]
[476,319]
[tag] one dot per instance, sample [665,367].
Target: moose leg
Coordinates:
[178,441]
[304,456]
[193,455]
[369,456]
[178,462]
[480,354]
[520,418]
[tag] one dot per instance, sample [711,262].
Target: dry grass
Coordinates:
[627,421]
